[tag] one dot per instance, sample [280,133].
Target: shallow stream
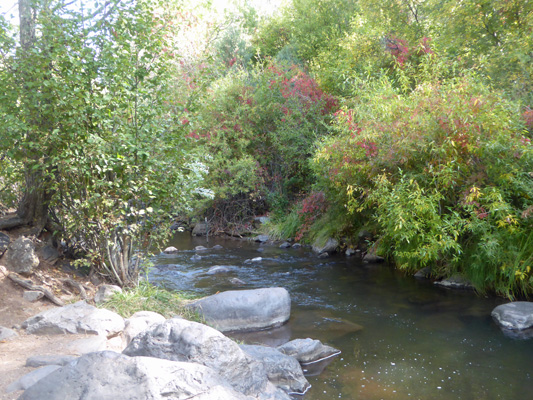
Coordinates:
[400,338]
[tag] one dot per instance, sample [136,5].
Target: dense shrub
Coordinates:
[445,172]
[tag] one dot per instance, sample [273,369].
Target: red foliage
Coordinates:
[313,206]
[527,116]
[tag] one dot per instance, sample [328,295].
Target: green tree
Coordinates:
[85,118]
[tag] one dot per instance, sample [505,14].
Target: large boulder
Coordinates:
[308,350]
[517,315]
[283,371]
[245,310]
[177,339]
[21,257]
[75,318]
[139,322]
[109,376]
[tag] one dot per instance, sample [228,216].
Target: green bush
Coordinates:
[446,173]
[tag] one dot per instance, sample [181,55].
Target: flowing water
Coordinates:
[400,338]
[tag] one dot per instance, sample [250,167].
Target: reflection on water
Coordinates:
[400,338]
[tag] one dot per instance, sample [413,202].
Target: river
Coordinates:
[400,338]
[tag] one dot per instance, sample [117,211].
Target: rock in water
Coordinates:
[110,376]
[74,318]
[283,371]
[517,315]
[308,350]
[21,257]
[171,250]
[180,340]
[329,247]
[245,310]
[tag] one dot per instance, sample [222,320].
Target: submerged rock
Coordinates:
[308,350]
[218,269]
[245,310]
[455,282]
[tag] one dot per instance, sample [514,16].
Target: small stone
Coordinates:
[170,250]
[330,246]
[40,361]
[296,246]
[217,247]
[261,238]
[32,295]
[285,245]
[200,248]
[6,333]
[323,255]
[105,293]
[253,260]
[237,282]
[455,282]
[196,257]
[218,269]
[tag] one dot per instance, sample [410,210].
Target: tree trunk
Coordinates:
[33,208]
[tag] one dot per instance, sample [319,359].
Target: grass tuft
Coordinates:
[147,297]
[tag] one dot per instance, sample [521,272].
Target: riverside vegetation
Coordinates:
[410,120]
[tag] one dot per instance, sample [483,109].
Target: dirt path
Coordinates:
[14,310]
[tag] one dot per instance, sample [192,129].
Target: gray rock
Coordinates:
[108,375]
[21,257]
[372,258]
[245,310]
[283,371]
[4,243]
[139,322]
[296,246]
[285,245]
[217,247]
[181,340]
[517,315]
[323,255]
[74,318]
[237,282]
[49,254]
[350,252]
[200,229]
[32,295]
[40,361]
[270,337]
[253,260]
[330,246]
[423,273]
[171,250]
[88,345]
[218,269]
[105,293]
[6,333]
[455,282]
[261,238]
[196,257]
[201,248]
[31,378]
[308,350]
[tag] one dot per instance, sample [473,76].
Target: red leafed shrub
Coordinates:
[313,206]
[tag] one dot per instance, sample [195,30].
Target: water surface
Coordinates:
[400,338]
